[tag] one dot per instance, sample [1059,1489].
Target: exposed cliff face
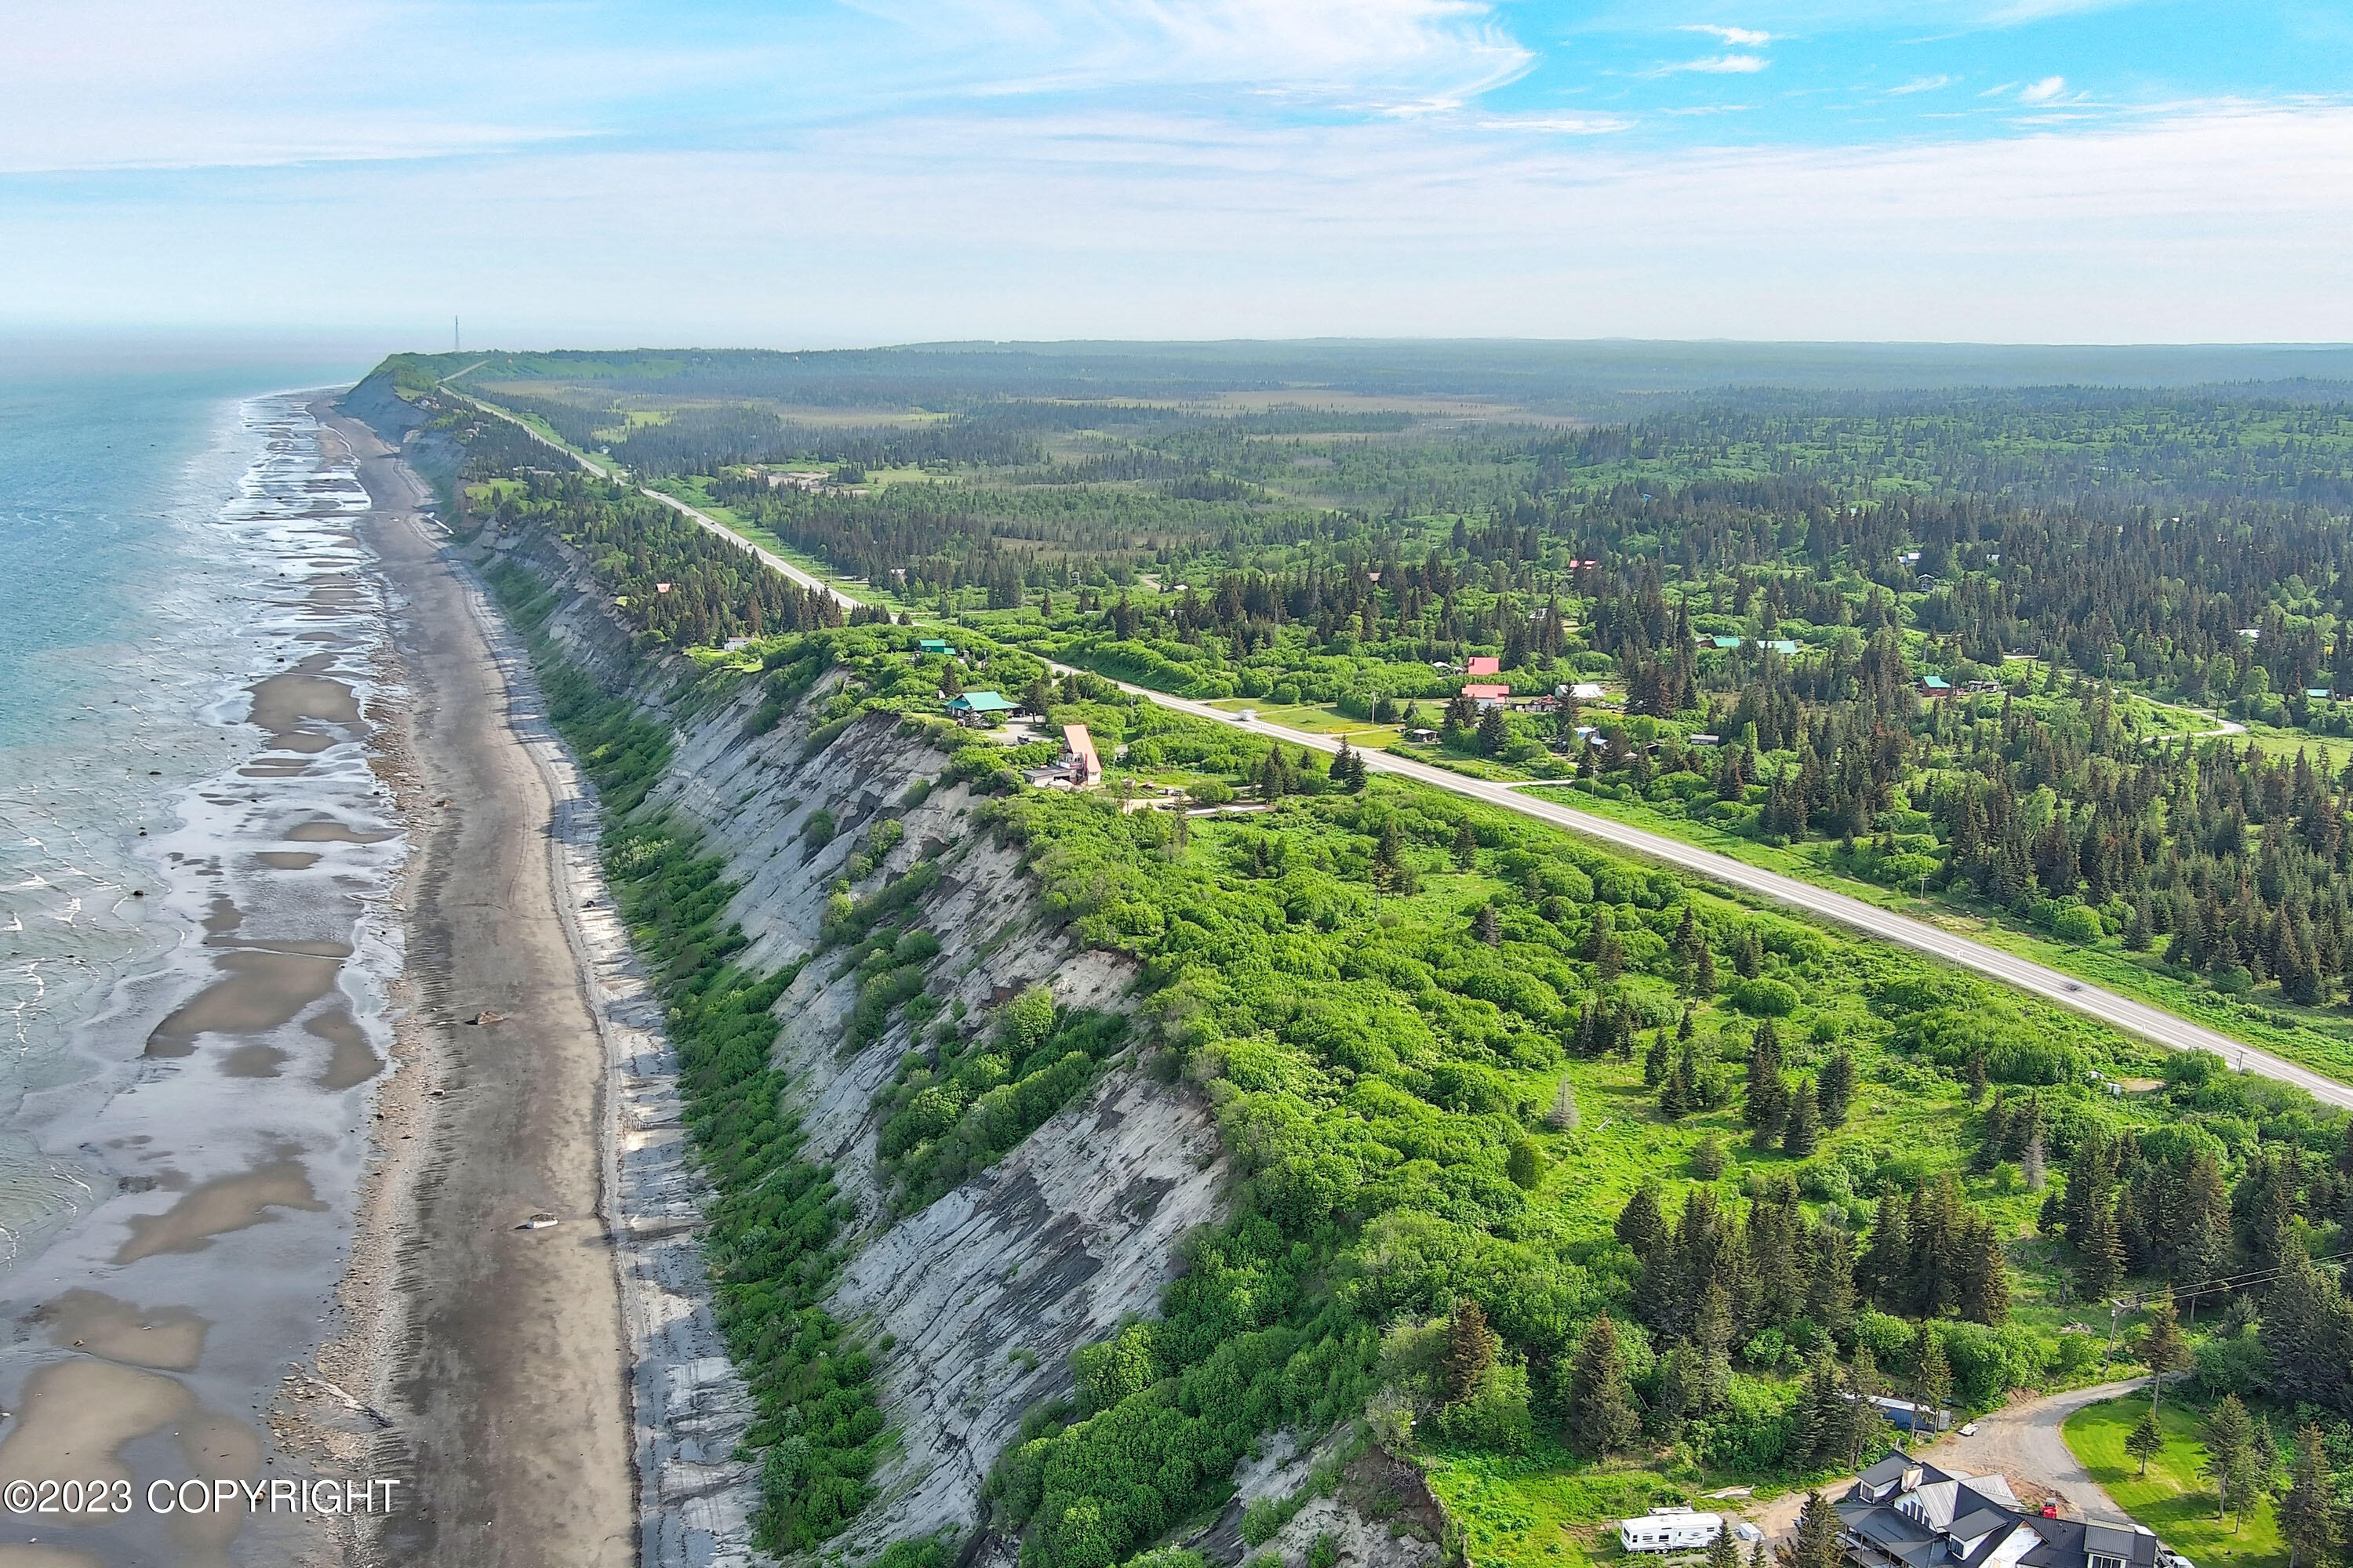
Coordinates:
[401,423]
[986,1292]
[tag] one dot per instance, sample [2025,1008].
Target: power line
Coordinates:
[2253,1276]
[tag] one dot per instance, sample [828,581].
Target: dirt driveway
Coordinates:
[2022,1443]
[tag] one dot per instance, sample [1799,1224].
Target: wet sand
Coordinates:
[497,1353]
[218,1105]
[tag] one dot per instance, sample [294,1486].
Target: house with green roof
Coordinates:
[982,708]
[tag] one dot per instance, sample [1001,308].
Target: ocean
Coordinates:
[196,942]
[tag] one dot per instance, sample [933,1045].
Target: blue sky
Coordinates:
[819,173]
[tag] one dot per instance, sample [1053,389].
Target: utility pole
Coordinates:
[456,346]
[2118,1307]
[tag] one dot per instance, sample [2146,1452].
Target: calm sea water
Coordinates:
[121,636]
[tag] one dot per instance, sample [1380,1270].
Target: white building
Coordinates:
[1664,1529]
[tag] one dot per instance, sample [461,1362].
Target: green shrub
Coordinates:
[1764,998]
[2077,925]
[1495,1414]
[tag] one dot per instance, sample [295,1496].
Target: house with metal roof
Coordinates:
[981,707]
[1903,1512]
[935,645]
[1485,665]
[1084,766]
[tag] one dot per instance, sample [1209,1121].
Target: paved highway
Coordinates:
[2134,1017]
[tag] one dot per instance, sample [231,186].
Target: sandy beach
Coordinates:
[482,1362]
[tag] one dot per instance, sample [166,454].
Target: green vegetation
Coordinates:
[949,1115]
[1581,1186]
[2177,1499]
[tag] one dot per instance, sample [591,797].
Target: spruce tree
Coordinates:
[1723,1551]
[2100,1255]
[1641,1224]
[1816,1544]
[1829,1279]
[1767,1107]
[1817,1419]
[1490,925]
[2229,1436]
[2146,1441]
[1984,1275]
[1703,973]
[2307,1510]
[1494,734]
[1711,1331]
[1803,1130]
[1656,1060]
[1834,1092]
[2162,1347]
[1977,1076]
[1747,955]
[1602,1415]
[1888,1265]
[2307,1334]
[1932,1378]
[1466,847]
[1679,1095]
[1562,1117]
[1389,854]
[1865,1428]
[1470,1350]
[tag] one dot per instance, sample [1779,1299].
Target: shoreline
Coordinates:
[212,1097]
[689,1405]
[488,1366]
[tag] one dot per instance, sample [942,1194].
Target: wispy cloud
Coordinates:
[1194,226]
[1382,53]
[1717,65]
[2043,92]
[1737,37]
[1559,125]
[1922,84]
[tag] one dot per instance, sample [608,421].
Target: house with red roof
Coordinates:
[1086,767]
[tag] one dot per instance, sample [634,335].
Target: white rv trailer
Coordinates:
[1665,1529]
